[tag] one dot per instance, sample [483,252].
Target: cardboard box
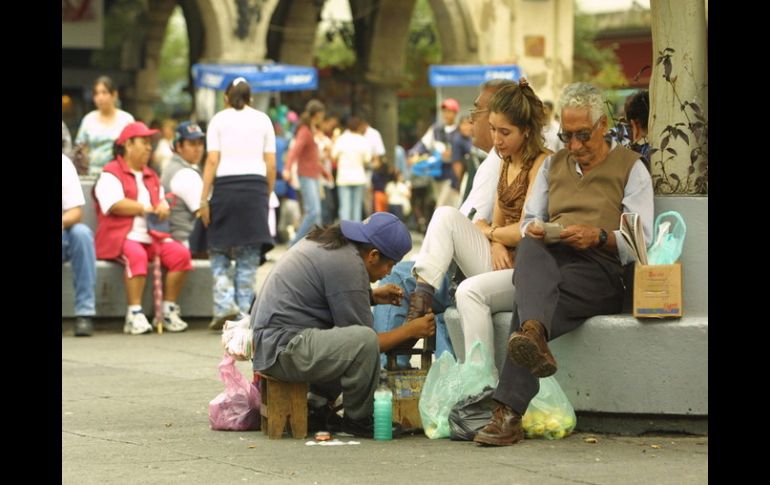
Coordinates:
[658,291]
[407,387]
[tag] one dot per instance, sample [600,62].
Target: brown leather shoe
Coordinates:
[528,348]
[503,430]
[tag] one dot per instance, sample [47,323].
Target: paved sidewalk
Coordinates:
[135,411]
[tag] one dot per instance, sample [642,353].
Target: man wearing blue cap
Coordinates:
[182,180]
[312,320]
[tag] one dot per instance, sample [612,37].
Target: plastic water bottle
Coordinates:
[383,411]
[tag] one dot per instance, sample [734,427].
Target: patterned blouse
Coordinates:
[511,197]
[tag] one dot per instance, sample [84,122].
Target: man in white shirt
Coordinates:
[77,246]
[374,138]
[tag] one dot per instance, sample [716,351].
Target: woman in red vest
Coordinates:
[126,193]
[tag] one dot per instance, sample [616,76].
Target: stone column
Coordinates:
[385,113]
[678,125]
[299,33]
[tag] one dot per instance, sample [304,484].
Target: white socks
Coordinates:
[168,306]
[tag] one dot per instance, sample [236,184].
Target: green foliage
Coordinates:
[174,68]
[591,63]
[332,48]
[696,124]
[174,63]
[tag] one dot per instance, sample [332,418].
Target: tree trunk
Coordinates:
[678,124]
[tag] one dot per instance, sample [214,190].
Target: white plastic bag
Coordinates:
[237,338]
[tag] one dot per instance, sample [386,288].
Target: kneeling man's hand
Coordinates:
[388,294]
[424,326]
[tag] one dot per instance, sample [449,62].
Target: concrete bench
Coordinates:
[620,364]
[196,299]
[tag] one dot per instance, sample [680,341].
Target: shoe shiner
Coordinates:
[313,323]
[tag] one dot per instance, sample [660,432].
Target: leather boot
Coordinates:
[419,304]
[528,348]
[503,430]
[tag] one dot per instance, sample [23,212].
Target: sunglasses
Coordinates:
[582,136]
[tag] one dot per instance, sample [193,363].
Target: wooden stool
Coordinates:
[281,402]
[426,354]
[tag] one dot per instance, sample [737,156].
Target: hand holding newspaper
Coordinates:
[633,233]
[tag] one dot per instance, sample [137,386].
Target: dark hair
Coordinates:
[523,109]
[118,150]
[238,93]
[638,108]
[108,84]
[311,109]
[330,237]
[353,123]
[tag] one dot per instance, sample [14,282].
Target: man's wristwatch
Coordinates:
[602,238]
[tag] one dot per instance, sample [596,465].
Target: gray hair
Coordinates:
[583,95]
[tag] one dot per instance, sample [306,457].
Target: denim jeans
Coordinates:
[234,293]
[388,317]
[351,197]
[77,246]
[311,205]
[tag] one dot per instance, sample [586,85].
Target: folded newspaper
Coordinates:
[633,233]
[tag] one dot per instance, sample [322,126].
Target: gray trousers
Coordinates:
[560,287]
[340,359]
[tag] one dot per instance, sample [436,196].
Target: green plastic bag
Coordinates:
[448,382]
[670,231]
[550,414]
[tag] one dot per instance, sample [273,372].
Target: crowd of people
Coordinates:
[505,169]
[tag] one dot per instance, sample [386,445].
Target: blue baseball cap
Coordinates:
[188,130]
[384,231]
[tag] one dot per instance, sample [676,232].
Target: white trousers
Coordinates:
[452,236]
[478,298]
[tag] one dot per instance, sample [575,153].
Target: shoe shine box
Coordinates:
[407,387]
[658,291]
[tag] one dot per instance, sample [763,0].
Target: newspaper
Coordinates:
[633,233]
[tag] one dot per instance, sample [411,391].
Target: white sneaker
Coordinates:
[172,322]
[136,324]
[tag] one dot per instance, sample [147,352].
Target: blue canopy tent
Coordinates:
[263,78]
[455,81]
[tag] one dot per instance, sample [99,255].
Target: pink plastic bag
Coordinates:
[237,408]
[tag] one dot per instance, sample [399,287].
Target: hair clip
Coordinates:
[523,83]
[238,80]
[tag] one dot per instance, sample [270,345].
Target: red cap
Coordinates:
[132,130]
[451,104]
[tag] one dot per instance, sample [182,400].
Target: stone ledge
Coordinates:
[196,299]
[620,364]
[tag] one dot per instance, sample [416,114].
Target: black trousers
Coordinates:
[560,287]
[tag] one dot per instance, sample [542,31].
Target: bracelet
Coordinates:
[204,203]
[492,232]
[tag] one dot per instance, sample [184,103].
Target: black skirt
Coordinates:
[239,208]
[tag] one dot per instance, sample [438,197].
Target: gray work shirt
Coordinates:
[309,287]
